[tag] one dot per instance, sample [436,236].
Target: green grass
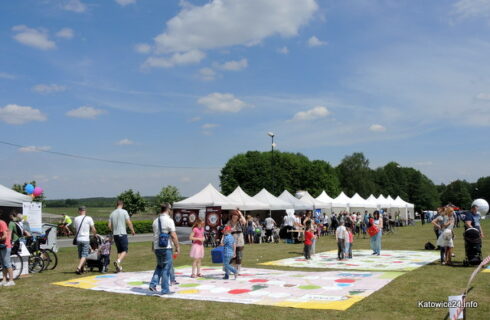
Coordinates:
[35,296]
[97,213]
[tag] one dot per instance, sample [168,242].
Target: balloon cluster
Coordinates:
[33,191]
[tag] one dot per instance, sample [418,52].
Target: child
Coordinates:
[228,253]
[105,252]
[309,238]
[197,250]
[348,242]
[340,237]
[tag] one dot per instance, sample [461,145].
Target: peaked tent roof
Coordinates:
[324,197]
[273,202]
[341,201]
[11,198]
[207,197]
[297,203]
[383,202]
[245,201]
[307,197]
[357,201]
[371,202]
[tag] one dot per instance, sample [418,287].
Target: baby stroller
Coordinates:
[94,259]
[472,246]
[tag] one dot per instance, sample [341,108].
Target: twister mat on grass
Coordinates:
[389,260]
[308,290]
[487,269]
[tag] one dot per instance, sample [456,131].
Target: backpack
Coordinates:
[429,246]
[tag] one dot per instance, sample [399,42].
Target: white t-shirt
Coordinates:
[269,223]
[341,232]
[288,221]
[168,225]
[84,233]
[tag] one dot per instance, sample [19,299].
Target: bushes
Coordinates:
[140,226]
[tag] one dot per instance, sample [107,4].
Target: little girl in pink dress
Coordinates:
[197,249]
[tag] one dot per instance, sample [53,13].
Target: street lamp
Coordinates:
[270,134]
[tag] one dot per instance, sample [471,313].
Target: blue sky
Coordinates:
[184,84]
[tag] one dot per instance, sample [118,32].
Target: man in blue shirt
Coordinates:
[472,220]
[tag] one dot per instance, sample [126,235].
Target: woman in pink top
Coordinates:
[197,249]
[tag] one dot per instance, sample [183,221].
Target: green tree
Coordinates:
[457,193]
[391,180]
[21,189]
[133,201]
[421,191]
[168,194]
[482,189]
[356,176]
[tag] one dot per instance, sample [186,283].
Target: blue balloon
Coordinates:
[29,188]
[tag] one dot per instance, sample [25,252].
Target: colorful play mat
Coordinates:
[336,290]
[389,260]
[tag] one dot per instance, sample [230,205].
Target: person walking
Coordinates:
[163,225]
[83,224]
[237,225]
[229,251]
[118,220]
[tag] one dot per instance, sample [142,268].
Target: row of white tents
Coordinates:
[264,200]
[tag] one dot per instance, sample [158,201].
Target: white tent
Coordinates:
[324,197]
[297,203]
[207,197]
[246,202]
[317,204]
[383,202]
[11,198]
[372,202]
[272,202]
[341,201]
[357,202]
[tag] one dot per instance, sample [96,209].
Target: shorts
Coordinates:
[121,241]
[83,249]
[268,232]
[5,258]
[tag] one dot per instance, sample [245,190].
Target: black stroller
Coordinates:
[94,259]
[472,246]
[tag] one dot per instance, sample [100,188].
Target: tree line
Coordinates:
[280,171]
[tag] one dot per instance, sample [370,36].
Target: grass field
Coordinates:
[97,213]
[35,296]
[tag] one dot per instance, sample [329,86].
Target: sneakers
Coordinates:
[9,284]
[118,267]
[226,277]
[174,283]
[167,293]
[235,275]
[153,289]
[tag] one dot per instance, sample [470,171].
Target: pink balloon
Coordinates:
[37,191]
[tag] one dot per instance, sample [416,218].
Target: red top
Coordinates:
[5,230]
[198,233]
[351,237]
[308,237]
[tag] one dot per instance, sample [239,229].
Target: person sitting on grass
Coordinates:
[229,252]
[340,234]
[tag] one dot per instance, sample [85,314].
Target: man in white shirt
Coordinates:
[164,224]
[341,235]
[269,226]
[118,220]
[83,225]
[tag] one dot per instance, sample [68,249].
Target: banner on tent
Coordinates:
[33,212]
[185,217]
[213,217]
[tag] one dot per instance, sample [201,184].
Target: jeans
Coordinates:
[162,270]
[227,266]
[341,248]
[5,258]
[307,251]
[105,260]
[348,249]
[376,242]
[313,246]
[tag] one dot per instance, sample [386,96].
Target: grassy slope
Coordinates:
[398,300]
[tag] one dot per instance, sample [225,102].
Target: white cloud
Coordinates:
[15,114]
[207,74]
[472,8]
[48,88]
[312,114]
[125,2]
[75,6]
[283,50]
[483,96]
[142,48]
[225,23]
[222,102]
[37,38]
[85,112]
[233,65]
[315,42]
[124,142]
[4,75]
[190,57]
[34,149]
[377,128]
[209,125]
[65,33]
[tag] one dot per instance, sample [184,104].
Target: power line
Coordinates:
[76,156]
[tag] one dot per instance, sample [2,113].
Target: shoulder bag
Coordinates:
[162,237]
[76,234]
